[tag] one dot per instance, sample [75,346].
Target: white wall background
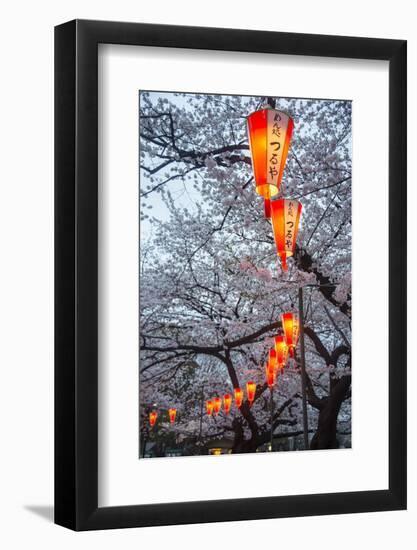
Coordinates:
[26,272]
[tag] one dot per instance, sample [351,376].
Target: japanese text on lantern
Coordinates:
[289,224]
[277,130]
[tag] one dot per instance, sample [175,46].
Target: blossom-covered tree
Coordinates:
[211,287]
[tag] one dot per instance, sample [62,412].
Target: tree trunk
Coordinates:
[245,446]
[240,444]
[325,436]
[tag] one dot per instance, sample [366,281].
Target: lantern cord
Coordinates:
[270,101]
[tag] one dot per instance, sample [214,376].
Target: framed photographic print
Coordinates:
[230,275]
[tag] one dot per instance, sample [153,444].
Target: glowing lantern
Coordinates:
[238,397]
[209,407]
[285,214]
[281,349]
[291,326]
[227,400]
[172,414]
[250,390]
[217,404]
[153,415]
[270,374]
[272,359]
[270,134]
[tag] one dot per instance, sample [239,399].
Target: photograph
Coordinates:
[245,302]
[206,230]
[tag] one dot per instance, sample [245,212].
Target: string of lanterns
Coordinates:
[153,416]
[284,346]
[213,405]
[270,132]
[277,359]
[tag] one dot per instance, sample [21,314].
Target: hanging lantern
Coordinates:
[281,349]
[217,404]
[238,397]
[291,327]
[172,414]
[285,214]
[250,390]
[209,407]
[272,359]
[270,134]
[227,400]
[153,415]
[270,374]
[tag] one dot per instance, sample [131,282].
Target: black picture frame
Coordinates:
[76,272]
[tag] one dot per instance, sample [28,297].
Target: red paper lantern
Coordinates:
[250,390]
[217,404]
[272,359]
[291,327]
[227,400]
[209,407]
[285,215]
[281,349]
[172,414]
[270,134]
[153,415]
[238,397]
[270,374]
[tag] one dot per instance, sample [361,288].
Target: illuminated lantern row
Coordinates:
[214,405]
[153,415]
[270,134]
[285,215]
[172,414]
[291,327]
[250,390]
